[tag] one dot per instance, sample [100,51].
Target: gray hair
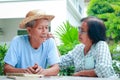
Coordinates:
[30,24]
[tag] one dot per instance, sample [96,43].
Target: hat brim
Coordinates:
[28,19]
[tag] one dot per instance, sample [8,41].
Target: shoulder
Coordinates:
[77,49]
[102,48]
[18,39]
[102,44]
[80,46]
[50,41]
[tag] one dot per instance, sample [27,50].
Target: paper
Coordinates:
[24,75]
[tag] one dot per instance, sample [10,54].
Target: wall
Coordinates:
[10,27]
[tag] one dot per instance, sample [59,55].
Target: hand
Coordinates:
[34,69]
[37,69]
[30,70]
[50,35]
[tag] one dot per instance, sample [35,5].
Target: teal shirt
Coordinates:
[21,55]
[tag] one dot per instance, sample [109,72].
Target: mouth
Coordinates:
[43,36]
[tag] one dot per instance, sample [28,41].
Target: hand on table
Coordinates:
[34,69]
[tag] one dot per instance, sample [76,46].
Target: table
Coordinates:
[56,78]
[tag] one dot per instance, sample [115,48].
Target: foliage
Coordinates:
[68,35]
[100,6]
[67,72]
[3,50]
[65,48]
[116,66]
[109,11]
[115,52]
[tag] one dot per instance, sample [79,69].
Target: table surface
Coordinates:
[55,78]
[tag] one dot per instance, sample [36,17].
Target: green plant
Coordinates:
[109,11]
[3,49]
[65,48]
[115,52]
[68,35]
[116,66]
[67,72]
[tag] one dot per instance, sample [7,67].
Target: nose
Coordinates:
[79,33]
[44,29]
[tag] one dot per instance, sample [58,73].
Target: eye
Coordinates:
[46,27]
[39,27]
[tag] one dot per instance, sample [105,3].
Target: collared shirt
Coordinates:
[98,58]
[22,55]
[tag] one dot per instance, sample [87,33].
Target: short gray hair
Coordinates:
[30,24]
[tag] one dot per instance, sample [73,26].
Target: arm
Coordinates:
[10,69]
[87,73]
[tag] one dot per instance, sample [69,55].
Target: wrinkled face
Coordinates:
[83,33]
[39,31]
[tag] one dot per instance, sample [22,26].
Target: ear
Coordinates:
[28,30]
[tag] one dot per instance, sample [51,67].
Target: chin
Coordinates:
[80,39]
[44,39]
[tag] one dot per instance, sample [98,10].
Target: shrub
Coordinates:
[3,49]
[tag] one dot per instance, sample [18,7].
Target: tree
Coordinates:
[109,11]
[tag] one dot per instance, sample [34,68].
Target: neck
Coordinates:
[87,48]
[34,43]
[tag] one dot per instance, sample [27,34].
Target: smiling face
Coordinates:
[83,33]
[39,31]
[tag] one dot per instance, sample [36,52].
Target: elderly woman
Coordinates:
[92,57]
[32,53]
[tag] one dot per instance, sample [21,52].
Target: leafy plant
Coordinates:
[67,72]
[3,50]
[109,11]
[115,52]
[68,35]
[116,67]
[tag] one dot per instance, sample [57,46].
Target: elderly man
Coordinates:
[33,53]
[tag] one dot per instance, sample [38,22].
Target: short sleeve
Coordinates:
[11,55]
[103,66]
[53,57]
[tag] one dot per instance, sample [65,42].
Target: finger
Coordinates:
[50,35]
[28,71]
[31,70]
[39,70]
[35,66]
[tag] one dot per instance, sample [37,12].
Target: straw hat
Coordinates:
[35,14]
